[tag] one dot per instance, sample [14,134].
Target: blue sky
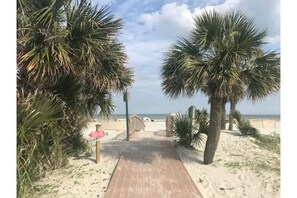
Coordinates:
[151,26]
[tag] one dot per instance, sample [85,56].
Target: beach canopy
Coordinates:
[147,119]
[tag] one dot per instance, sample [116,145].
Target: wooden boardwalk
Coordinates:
[151,167]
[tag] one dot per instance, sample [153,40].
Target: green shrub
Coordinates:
[39,138]
[201,120]
[268,142]
[183,129]
[244,126]
[271,143]
[237,116]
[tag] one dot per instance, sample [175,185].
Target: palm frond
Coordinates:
[222,54]
[39,137]
[263,76]
[182,128]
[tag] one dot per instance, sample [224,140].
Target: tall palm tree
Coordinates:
[217,54]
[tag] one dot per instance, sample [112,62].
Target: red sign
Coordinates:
[97,134]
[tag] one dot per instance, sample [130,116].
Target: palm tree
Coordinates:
[68,50]
[71,49]
[217,54]
[223,116]
[237,94]
[238,89]
[57,38]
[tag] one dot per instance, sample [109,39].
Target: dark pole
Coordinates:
[127,113]
[191,114]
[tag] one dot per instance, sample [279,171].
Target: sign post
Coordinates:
[191,114]
[126,98]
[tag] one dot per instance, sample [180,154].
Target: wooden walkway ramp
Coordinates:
[151,167]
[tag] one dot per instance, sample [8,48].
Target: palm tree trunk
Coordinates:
[232,109]
[223,116]
[214,130]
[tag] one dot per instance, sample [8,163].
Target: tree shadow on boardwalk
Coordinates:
[154,147]
[148,150]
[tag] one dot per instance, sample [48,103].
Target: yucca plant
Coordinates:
[187,133]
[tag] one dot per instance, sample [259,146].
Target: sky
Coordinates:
[151,26]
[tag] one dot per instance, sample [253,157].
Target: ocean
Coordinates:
[162,117]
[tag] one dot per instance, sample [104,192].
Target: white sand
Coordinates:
[268,127]
[83,177]
[240,168]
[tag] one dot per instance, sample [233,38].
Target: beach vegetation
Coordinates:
[69,61]
[221,51]
[188,133]
[201,120]
[269,142]
[244,126]
[237,93]
[39,137]
[256,165]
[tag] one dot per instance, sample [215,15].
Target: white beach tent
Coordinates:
[146,119]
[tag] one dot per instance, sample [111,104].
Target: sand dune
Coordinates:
[240,169]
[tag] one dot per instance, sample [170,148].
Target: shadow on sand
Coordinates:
[234,133]
[145,150]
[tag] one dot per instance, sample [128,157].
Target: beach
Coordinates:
[241,168]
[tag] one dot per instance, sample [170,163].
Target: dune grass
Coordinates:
[271,143]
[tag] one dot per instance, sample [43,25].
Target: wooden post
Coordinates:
[98,127]
[97,152]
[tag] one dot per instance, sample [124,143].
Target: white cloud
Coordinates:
[142,52]
[146,58]
[175,20]
[171,21]
[224,7]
